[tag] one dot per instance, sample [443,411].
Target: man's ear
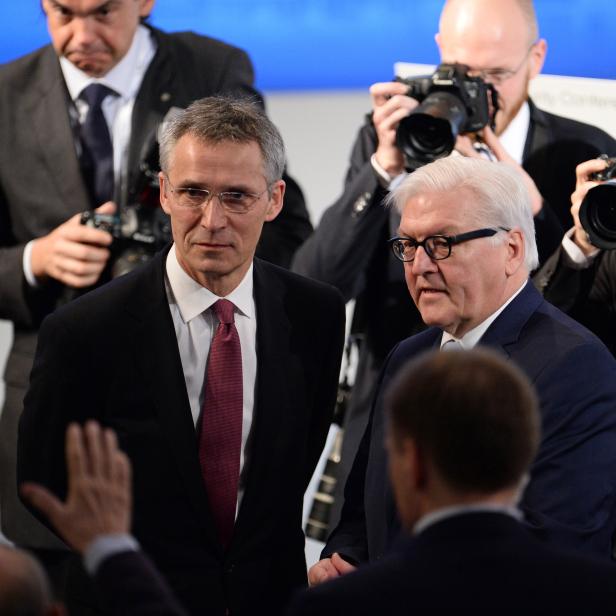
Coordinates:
[275,201]
[416,464]
[164,197]
[537,57]
[516,251]
[145,7]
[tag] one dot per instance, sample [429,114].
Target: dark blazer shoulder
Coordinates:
[572,130]
[136,292]
[295,283]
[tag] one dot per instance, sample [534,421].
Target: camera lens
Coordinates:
[430,131]
[598,215]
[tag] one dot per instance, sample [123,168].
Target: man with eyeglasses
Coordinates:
[466,239]
[498,40]
[216,369]
[79,119]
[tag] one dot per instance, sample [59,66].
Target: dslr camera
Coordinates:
[598,209]
[140,227]
[451,102]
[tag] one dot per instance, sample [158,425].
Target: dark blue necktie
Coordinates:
[97,157]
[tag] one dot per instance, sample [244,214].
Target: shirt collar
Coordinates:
[448,512]
[192,299]
[514,136]
[473,336]
[125,77]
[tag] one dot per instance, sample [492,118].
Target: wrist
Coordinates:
[37,259]
[392,165]
[582,241]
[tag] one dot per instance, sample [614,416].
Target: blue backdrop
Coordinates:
[338,44]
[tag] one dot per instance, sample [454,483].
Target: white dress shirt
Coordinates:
[195,324]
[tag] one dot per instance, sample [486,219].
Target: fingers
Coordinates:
[95,450]
[341,565]
[76,461]
[584,170]
[383,91]
[493,142]
[323,571]
[109,207]
[43,500]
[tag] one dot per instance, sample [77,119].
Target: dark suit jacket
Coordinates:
[571,497]
[112,355]
[587,295]
[349,249]
[475,563]
[41,186]
[130,585]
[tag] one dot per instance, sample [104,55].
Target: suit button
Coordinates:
[230,568]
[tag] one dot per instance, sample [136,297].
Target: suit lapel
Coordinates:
[159,360]
[506,329]
[51,123]
[271,416]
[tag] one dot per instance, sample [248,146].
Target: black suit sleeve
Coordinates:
[60,392]
[588,295]
[130,584]
[341,249]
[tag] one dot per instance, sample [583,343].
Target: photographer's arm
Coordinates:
[343,245]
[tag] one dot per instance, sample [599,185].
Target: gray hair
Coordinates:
[220,118]
[502,199]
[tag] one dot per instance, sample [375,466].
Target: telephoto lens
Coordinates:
[598,209]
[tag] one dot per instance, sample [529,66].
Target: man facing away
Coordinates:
[467,243]
[463,429]
[217,370]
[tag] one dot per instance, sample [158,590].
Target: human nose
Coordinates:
[422,262]
[83,31]
[213,215]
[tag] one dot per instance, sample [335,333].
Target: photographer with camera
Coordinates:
[79,121]
[498,42]
[580,277]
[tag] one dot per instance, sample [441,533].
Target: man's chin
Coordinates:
[90,66]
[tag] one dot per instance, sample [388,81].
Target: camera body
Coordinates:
[451,102]
[598,209]
[140,227]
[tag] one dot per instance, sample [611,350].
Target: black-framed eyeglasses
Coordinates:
[234,201]
[437,247]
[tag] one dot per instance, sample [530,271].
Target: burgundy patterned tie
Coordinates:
[220,437]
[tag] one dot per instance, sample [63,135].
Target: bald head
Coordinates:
[24,589]
[494,37]
[491,19]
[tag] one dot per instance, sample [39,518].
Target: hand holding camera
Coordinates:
[593,205]
[390,104]
[73,253]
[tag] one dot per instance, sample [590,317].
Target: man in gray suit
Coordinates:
[46,255]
